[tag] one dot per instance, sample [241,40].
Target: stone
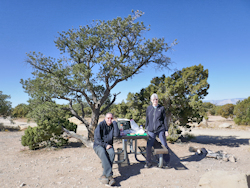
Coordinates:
[23,127]
[225,125]
[223,179]
[232,159]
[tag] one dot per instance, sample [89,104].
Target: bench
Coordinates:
[159,149]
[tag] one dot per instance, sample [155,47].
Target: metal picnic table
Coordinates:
[133,149]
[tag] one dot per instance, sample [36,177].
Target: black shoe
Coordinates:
[147,165]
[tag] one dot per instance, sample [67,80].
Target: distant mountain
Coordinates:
[224,101]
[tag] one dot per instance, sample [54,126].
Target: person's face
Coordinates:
[108,119]
[154,101]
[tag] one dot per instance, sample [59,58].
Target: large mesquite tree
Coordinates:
[97,57]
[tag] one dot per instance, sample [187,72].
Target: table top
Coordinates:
[131,137]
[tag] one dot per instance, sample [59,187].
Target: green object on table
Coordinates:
[144,134]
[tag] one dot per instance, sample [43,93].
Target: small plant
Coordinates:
[174,133]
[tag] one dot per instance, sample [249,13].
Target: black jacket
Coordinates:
[104,134]
[156,119]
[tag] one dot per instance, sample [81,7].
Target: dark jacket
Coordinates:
[104,134]
[156,119]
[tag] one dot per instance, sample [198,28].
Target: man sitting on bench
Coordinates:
[156,125]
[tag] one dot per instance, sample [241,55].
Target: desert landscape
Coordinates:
[78,166]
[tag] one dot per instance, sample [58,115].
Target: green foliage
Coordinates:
[50,118]
[209,108]
[226,110]
[5,105]
[120,110]
[242,112]
[20,110]
[180,94]
[100,56]
[174,132]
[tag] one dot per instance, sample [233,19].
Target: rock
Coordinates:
[23,127]
[225,125]
[223,179]
[22,184]
[232,159]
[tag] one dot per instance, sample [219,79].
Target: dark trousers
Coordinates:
[107,158]
[151,141]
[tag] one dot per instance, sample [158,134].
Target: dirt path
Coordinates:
[77,166]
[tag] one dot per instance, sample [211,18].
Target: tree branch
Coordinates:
[109,103]
[84,140]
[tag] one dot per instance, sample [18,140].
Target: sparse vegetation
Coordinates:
[242,112]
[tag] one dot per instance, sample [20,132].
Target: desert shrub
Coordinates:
[20,110]
[226,110]
[48,133]
[50,119]
[242,112]
[217,110]
[5,105]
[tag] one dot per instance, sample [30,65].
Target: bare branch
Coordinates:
[106,108]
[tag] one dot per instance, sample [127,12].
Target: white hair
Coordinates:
[154,96]
[109,113]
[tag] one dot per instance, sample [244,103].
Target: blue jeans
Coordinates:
[151,141]
[107,158]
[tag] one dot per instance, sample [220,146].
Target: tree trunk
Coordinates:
[84,140]
[93,124]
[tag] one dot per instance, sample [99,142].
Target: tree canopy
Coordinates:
[226,110]
[180,94]
[5,105]
[242,112]
[21,110]
[96,58]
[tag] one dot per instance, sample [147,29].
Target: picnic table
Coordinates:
[132,140]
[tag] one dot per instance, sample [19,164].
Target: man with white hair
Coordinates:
[103,146]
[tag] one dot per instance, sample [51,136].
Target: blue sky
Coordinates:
[213,33]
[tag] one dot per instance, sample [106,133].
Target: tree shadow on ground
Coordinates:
[194,157]
[74,145]
[231,141]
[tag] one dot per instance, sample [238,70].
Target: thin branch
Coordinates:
[106,108]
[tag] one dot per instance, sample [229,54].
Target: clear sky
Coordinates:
[214,33]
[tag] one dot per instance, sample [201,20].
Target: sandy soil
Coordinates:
[77,166]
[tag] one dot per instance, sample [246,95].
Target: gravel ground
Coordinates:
[77,166]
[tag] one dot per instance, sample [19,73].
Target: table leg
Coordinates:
[124,150]
[137,153]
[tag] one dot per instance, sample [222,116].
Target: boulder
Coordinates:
[223,179]
[23,127]
[225,125]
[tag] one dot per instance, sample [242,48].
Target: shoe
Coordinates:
[111,180]
[104,180]
[147,165]
[166,167]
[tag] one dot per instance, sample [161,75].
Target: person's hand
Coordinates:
[166,133]
[108,147]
